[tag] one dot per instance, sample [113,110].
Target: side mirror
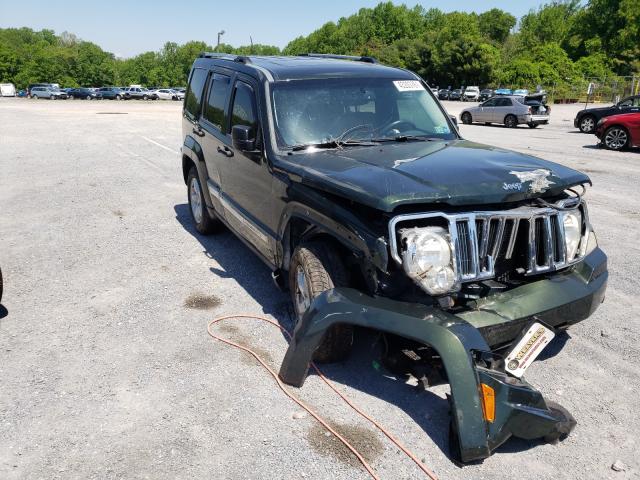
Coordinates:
[454,119]
[243,138]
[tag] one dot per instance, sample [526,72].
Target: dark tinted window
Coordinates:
[214,109]
[490,103]
[193,98]
[244,112]
[503,102]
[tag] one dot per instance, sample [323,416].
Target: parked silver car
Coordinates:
[508,110]
[48,92]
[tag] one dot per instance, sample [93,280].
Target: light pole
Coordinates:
[220,33]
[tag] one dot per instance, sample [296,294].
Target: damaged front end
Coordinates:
[488,404]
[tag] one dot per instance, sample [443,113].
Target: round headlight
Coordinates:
[427,258]
[572,233]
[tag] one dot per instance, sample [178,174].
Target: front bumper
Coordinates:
[560,300]
[461,343]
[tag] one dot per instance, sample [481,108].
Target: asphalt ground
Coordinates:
[106,368]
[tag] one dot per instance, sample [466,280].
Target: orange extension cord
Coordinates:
[323,422]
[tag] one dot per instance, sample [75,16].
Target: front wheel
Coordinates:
[144,97]
[466,118]
[588,124]
[204,223]
[616,138]
[118,97]
[510,121]
[315,268]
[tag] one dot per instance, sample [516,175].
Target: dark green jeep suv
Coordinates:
[352,183]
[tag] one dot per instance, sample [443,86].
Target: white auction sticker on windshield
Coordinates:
[408,85]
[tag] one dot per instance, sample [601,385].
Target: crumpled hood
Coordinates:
[456,172]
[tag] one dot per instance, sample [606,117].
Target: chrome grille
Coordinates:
[483,239]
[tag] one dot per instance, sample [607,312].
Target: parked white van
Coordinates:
[7,90]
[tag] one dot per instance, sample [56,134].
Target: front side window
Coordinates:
[503,102]
[244,111]
[626,103]
[319,111]
[217,99]
[193,100]
[490,103]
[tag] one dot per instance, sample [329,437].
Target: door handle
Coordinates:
[226,151]
[198,131]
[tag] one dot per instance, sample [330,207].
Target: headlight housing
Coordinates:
[428,259]
[572,223]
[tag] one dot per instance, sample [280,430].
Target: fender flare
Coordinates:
[337,222]
[192,153]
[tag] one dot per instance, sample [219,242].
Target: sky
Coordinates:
[128,29]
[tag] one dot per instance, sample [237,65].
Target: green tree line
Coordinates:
[557,44]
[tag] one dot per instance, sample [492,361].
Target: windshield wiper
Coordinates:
[333,144]
[407,138]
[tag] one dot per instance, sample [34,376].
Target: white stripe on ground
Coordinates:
[161,146]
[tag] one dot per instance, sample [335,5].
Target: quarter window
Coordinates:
[193,100]
[214,109]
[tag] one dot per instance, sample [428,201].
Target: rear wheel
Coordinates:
[204,223]
[144,97]
[70,97]
[510,121]
[466,118]
[315,268]
[88,97]
[616,138]
[588,124]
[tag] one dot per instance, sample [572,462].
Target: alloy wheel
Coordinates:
[196,200]
[616,138]
[302,295]
[587,124]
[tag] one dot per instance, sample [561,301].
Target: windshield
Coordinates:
[356,109]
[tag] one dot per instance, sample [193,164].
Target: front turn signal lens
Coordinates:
[488,398]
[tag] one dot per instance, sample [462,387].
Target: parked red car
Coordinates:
[618,132]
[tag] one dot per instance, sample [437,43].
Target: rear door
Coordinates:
[213,131]
[504,107]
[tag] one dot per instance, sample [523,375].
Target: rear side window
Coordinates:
[193,99]
[503,102]
[244,112]
[218,91]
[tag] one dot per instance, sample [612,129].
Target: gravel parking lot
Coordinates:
[106,368]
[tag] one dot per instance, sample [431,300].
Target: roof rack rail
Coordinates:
[226,56]
[355,58]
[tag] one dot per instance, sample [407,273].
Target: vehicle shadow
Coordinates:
[363,369]
[238,262]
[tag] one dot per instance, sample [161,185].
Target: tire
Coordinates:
[118,97]
[587,124]
[70,97]
[88,97]
[144,97]
[510,121]
[533,125]
[197,206]
[0,285]
[314,268]
[466,118]
[616,138]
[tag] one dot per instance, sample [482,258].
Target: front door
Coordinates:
[246,174]
[485,111]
